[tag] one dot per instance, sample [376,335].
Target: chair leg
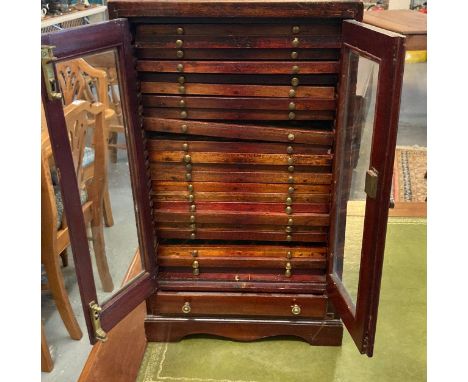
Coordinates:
[107,207]
[46,360]
[64,257]
[97,233]
[59,293]
[113,138]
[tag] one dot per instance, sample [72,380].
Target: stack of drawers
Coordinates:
[240,125]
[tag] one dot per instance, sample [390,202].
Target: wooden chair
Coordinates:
[54,231]
[46,359]
[80,81]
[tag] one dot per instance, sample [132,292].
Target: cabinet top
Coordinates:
[346,9]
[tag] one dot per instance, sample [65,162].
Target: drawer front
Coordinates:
[237,304]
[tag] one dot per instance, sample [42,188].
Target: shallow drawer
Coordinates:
[239,304]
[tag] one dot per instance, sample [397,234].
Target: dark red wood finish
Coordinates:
[75,43]
[388,50]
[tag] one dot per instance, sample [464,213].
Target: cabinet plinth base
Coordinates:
[172,329]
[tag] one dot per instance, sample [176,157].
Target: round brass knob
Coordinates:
[289,210]
[195,264]
[288,201]
[291,190]
[181,80]
[186,308]
[287,272]
[292,106]
[290,222]
[183,114]
[289,254]
[188,177]
[291,115]
[295,69]
[180,67]
[292,93]
[185,146]
[179,43]
[180,54]
[192,218]
[291,179]
[289,150]
[291,137]
[290,160]
[296,29]
[295,42]
[184,128]
[191,198]
[296,309]
[193,227]
[294,55]
[288,229]
[193,236]
[188,167]
[193,208]
[182,89]
[190,187]
[180,30]
[182,103]
[194,253]
[291,168]
[187,158]
[295,81]
[288,237]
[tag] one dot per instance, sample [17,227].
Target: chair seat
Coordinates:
[59,203]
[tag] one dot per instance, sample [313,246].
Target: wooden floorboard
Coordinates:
[119,359]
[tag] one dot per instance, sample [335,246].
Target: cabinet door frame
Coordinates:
[387,49]
[74,43]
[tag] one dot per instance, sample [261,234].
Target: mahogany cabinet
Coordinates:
[261,138]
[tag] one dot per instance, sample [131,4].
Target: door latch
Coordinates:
[47,63]
[95,311]
[372,179]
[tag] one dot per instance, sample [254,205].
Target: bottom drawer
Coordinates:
[239,304]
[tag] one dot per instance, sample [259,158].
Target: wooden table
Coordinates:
[410,23]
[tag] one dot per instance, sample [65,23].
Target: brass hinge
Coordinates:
[95,311]
[372,179]
[47,60]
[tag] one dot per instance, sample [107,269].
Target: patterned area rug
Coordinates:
[409,182]
[400,347]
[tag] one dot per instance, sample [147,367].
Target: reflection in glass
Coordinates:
[93,81]
[355,156]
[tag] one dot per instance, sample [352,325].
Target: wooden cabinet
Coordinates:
[256,130]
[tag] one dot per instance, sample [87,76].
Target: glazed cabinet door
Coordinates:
[94,159]
[372,62]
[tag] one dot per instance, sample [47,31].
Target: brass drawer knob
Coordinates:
[295,81]
[181,80]
[196,270]
[193,208]
[190,187]
[288,229]
[294,55]
[291,168]
[290,161]
[289,238]
[288,268]
[188,177]
[184,128]
[291,190]
[290,222]
[186,308]
[289,255]
[192,218]
[292,115]
[194,253]
[182,89]
[180,67]
[291,179]
[185,146]
[182,103]
[188,167]
[295,42]
[191,198]
[291,137]
[292,106]
[289,150]
[193,236]
[295,69]
[292,93]
[179,43]
[296,29]
[183,114]
[295,309]
[288,201]
[180,54]
[289,210]
[180,30]
[187,158]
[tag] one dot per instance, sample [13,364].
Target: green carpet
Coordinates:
[400,348]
